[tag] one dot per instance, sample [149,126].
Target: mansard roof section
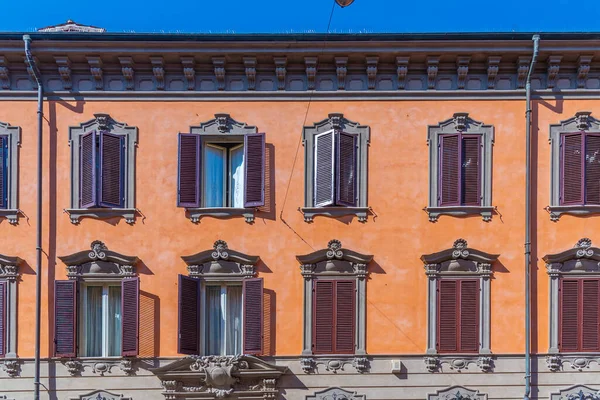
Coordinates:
[98,252]
[220,251]
[459,250]
[582,249]
[334,251]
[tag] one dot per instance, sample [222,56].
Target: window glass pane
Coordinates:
[214,158]
[234,320]
[237,177]
[114,321]
[93,322]
[214,318]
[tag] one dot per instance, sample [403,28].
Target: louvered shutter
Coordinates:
[253,316]
[112,170]
[572,164]
[3,317]
[130,307]
[189,316]
[87,170]
[447,315]
[569,310]
[592,169]
[188,170]
[471,170]
[324,169]
[65,318]
[346,170]
[323,320]
[469,315]
[449,175]
[590,309]
[345,299]
[4,171]
[254,162]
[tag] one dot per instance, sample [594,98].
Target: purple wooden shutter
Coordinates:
[471,170]
[112,170]
[572,164]
[469,315]
[4,171]
[324,169]
[130,306]
[188,170]
[592,169]
[3,317]
[253,316]
[254,162]
[189,316]
[346,170]
[449,175]
[447,315]
[87,170]
[590,307]
[323,321]
[569,310]
[65,318]
[345,299]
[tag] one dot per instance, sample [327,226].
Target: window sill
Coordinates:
[460,211]
[76,214]
[335,212]
[579,361]
[11,215]
[194,214]
[459,361]
[557,211]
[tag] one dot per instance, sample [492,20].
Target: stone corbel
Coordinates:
[492,71]
[462,70]
[360,270]
[74,367]
[522,69]
[341,69]
[361,364]
[96,71]
[432,70]
[250,69]
[485,270]
[583,69]
[189,72]
[311,71]
[554,363]
[11,367]
[372,71]
[432,270]
[127,367]
[485,363]
[308,365]
[432,364]
[553,68]
[64,70]
[402,71]
[460,121]
[4,73]
[582,119]
[159,72]
[30,71]
[128,72]
[307,270]
[219,68]
[280,71]
[9,272]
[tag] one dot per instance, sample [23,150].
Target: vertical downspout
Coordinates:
[38,244]
[536,40]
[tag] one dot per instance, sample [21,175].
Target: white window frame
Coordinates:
[83,317]
[227,172]
[203,307]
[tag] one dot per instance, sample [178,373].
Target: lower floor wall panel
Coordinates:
[295,378]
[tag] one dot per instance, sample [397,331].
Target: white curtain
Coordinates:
[214,318]
[114,321]
[237,177]
[234,320]
[93,322]
[214,158]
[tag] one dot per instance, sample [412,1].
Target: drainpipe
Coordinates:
[536,40]
[38,244]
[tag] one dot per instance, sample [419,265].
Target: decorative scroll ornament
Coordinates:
[582,120]
[4,74]
[553,68]
[219,68]
[341,71]
[583,70]
[250,69]
[220,252]
[158,71]
[96,71]
[335,249]
[189,72]
[311,71]
[522,69]
[583,248]
[402,71]
[280,71]
[462,69]
[583,396]
[11,367]
[554,363]
[432,70]
[492,71]
[460,249]
[97,252]
[372,71]
[460,121]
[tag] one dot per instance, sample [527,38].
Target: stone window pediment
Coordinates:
[581,259]
[221,263]
[335,393]
[99,263]
[459,260]
[577,392]
[457,393]
[100,395]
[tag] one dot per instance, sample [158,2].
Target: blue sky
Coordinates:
[299,16]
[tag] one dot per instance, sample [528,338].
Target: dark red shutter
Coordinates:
[324,169]
[449,185]
[590,308]
[447,315]
[254,161]
[592,169]
[569,310]
[112,170]
[188,170]
[469,316]
[87,170]
[345,299]
[572,169]
[253,316]
[130,307]
[323,320]
[189,316]
[471,170]
[65,318]
[346,170]
[3,317]
[4,167]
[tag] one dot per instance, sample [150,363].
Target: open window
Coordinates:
[220,304]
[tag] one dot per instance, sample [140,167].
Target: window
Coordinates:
[460,168]
[10,139]
[458,316]
[100,316]
[103,164]
[9,267]
[220,304]
[333,319]
[336,168]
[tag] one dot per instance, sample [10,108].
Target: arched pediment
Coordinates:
[577,392]
[99,262]
[335,393]
[334,259]
[457,393]
[221,261]
[582,258]
[459,258]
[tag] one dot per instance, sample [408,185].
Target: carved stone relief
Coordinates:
[457,393]
[100,395]
[335,393]
[577,392]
